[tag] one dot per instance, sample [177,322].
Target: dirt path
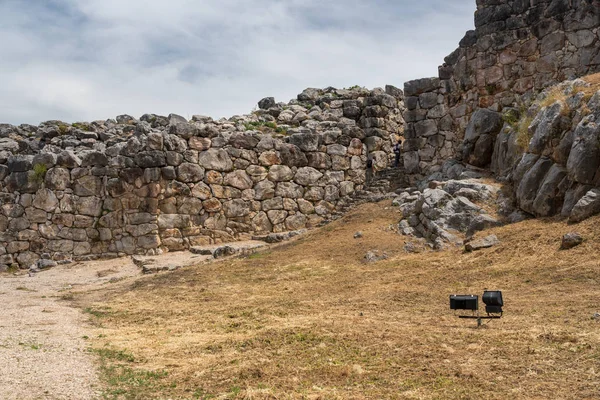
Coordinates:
[43,348]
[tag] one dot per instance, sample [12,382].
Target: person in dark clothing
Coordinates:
[369,171]
[397,152]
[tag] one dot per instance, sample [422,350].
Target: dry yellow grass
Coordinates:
[310,320]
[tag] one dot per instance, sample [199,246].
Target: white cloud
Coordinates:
[94,59]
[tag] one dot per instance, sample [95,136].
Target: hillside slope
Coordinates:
[312,320]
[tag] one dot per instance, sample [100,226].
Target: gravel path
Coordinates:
[43,349]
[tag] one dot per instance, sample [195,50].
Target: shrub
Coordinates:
[523,134]
[39,172]
[63,129]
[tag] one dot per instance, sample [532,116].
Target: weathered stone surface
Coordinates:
[212,205]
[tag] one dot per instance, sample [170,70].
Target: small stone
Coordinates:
[571,240]
[358,235]
[373,256]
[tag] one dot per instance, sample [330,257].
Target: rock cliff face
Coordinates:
[518,48]
[129,186]
[551,154]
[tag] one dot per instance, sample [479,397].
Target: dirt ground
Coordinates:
[312,320]
[45,341]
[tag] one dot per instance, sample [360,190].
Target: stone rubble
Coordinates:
[442,215]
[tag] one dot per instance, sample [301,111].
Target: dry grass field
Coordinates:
[311,320]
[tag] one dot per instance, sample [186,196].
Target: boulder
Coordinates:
[588,206]
[571,240]
[224,251]
[480,136]
[57,179]
[528,187]
[150,159]
[266,103]
[480,244]
[584,158]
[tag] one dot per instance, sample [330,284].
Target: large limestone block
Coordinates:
[238,179]
[188,172]
[280,173]
[236,208]
[215,159]
[307,176]
[46,200]
[305,141]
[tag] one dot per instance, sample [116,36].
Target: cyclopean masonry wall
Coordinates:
[119,187]
[518,48]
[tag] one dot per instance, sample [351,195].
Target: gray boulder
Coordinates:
[307,176]
[571,240]
[480,137]
[584,159]
[528,187]
[551,194]
[588,206]
[266,103]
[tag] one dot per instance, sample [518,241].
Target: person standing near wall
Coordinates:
[397,152]
[369,171]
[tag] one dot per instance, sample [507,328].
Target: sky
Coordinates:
[84,60]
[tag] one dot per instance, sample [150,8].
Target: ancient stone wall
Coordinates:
[127,186]
[518,48]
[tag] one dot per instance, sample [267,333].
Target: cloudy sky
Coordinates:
[83,60]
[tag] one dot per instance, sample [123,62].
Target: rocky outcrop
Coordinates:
[129,186]
[447,212]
